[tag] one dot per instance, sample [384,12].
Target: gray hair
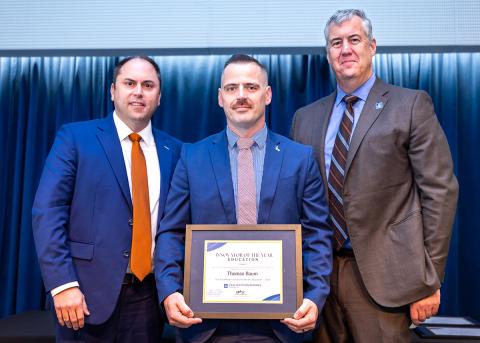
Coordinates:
[343,15]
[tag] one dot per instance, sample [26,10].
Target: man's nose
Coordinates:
[346,47]
[241,92]
[138,89]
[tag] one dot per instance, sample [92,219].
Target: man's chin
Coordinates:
[140,116]
[138,109]
[348,75]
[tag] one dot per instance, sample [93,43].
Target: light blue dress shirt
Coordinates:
[336,117]
[258,152]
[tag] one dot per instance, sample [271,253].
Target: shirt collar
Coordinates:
[123,130]
[361,92]
[260,138]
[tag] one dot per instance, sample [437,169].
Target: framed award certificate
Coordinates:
[243,271]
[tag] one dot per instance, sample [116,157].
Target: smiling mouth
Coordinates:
[137,104]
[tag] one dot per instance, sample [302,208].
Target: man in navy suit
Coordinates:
[83,215]
[205,190]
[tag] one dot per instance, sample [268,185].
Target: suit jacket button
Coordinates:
[126,254]
[130,222]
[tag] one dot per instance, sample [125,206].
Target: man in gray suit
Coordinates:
[391,190]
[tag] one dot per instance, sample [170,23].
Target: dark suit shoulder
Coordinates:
[402,92]
[167,138]
[276,137]
[414,101]
[314,112]
[205,143]
[212,139]
[85,124]
[314,107]
[293,147]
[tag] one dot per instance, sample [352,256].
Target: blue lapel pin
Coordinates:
[379,105]
[166,147]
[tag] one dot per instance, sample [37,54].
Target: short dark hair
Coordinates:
[122,62]
[242,58]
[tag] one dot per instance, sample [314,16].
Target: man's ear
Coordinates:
[112,91]
[220,100]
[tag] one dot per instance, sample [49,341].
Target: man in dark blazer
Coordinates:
[391,189]
[83,216]
[204,190]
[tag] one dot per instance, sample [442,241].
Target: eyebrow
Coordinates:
[132,80]
[240,83]
[351,36]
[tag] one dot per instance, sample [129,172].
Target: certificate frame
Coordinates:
[451,321]
[291,270]
[463,332]
[449,327]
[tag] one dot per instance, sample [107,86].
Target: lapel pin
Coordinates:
[379,105]
[277,148]
[166,147]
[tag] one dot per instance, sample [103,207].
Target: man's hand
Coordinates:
[304,318]
[178,313]
[70,307]
[425,308]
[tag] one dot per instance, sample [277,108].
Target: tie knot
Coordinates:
[245,143]
[135,137]
[350,99]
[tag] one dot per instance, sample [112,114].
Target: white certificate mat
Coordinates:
[243,271]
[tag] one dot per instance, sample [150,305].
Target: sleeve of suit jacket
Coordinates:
[432,168]
[316,236]
[170,242]
[51,211]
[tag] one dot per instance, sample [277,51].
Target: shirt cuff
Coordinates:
[61,288]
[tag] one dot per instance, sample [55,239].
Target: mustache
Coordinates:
[241,102]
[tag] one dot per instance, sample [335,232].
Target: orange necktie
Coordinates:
[140,260]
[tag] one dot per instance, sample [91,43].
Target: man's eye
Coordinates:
[335,44]
[129,83]
[355,40]
[230,89]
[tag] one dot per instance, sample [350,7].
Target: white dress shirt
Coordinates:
[153,173]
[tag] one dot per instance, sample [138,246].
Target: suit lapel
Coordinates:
[108,137]
[320,127]
[271,170]
[221,168]
[165,158]
[370,112]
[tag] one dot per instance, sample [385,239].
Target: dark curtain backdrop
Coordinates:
[37,95]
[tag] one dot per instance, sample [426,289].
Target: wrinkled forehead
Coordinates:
[241,73]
